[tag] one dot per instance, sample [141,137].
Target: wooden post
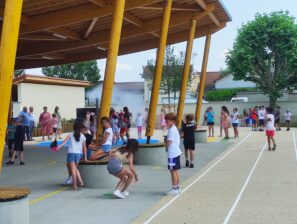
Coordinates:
[182,94]
[111,62]
[8,47]
[158,70]
[202,78]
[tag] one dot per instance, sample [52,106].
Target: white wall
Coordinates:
[67,98]
[227,83]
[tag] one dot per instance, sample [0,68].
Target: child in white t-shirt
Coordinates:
[139,124]
[174,152]
[288,116]
[106,142]
[270,129]
[235,122]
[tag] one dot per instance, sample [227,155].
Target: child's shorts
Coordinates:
[270,133]
[261,121]
[73,157]
[174,163]
[189,145]
[235,125]
[55,130]
[114,166]
[254,121]
[106,148]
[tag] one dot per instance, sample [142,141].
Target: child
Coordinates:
[116,168]
[288,116]
[210,122]
[254,119]
[235,122]
[225,121]
[139,124]
[261,116]
[89,139]
[76,150]
[10,132]
[106,142]
[18,144]
[270,129]
[188,129]
[173,152]
[54,124]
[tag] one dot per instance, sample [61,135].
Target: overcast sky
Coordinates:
[130,66]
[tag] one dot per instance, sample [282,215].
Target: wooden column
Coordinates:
[182,94]
[8,47]
[111,62]
[202,78]
[158,70]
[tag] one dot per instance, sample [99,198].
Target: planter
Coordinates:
[201,135]
[151,154]
[14,205]
[95,175]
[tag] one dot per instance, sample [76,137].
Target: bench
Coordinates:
[151,154]
[14,205]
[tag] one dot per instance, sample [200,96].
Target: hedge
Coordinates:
[225,94]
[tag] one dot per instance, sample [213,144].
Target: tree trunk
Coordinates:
[272,102]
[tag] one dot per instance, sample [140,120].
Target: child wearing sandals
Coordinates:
[115,168]
[76,150]
[270,129]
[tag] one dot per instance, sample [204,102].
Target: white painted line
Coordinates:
[294,140]
[195,181]
[243,188]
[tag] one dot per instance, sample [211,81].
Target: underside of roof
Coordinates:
[56,32]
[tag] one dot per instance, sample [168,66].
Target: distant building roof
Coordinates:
[36,79]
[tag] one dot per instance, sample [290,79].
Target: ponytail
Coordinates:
[77,128]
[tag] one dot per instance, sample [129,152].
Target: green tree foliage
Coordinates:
[265,52]
[171,73]
[225,94]
[19,72]
[87,70]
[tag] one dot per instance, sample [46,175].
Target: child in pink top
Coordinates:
[54,123]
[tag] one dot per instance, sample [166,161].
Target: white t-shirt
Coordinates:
[109,139]
[235,118]
[288,116]
[269,125]
[173,149]
[261,114]
[139,121]
[76,147]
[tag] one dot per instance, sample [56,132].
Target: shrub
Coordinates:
[225,94]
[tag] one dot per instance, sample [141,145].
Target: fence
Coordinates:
[66,127]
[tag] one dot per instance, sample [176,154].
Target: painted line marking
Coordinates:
[294,140]
[243,187]
[46,196]
[195,181]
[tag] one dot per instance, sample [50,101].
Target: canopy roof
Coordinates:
[65,31]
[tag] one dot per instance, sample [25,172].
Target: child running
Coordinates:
[235,122]
[106,142]
[173,152]
[115,168]
[139,124]
[76,150]
[270,129]
[188,130]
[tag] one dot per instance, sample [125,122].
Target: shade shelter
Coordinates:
[37,33]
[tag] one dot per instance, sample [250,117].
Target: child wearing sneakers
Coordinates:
[188,130]
[173,152]
[270,129]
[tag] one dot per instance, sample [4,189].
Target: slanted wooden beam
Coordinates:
[156,33]
[52,56]
[100,3]
[175,7]
[133,19]
[63,32]
[90,28]
[76,14]
[203,5]
[39,37]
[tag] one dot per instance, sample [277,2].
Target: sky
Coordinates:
[129,67]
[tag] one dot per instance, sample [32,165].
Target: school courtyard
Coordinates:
[234,181]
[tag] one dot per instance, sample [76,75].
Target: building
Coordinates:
[228,82]
[130,94]
[40,91]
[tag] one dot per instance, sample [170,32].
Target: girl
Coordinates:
[106,142]
[235,122]
[116,168]
[76,149]
[58,116]
[221,123]
[114,120]
[128,117]
[162,119]
[270,129]
[210,122]
[225,121]
[54,124]
[139,123]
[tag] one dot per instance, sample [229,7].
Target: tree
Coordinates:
[265,52]
[19,72]
[171,73]
[87,70]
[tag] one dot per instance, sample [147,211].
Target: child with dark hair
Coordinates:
[10,132]
[115,167]
[173,152]
[235,122]
[54,124]
[270,129]
[210,122]
[76,150]
[188,130]
[106,143]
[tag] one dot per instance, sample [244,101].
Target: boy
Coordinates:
[173,152]
[10,136]
[288,116]
[188,130]
[261,116]
[270,129]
